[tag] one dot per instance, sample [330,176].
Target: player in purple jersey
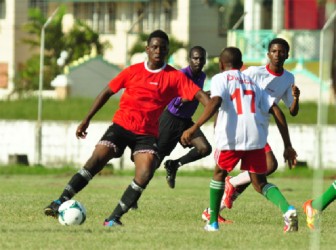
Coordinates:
[177,118]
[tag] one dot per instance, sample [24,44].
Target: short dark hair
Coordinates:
[281,41]
[196,48]
[233,56]
[158,34]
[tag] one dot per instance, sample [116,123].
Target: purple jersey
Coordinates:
[187,109]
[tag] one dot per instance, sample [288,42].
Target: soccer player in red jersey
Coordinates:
[148,88]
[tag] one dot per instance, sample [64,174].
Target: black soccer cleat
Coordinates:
[171,169]
[52,209]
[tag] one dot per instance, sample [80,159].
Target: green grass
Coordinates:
[75,109]
[166,218]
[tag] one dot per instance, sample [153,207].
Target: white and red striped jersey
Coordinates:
[241,122]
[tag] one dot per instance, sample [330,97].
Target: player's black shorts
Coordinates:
[171,129]
[119,138]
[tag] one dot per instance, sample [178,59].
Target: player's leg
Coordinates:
[225,162]
[236,185]
[145,159]
[216,193]
[313,208]
[169,135]
[200,148]
[100,156]
[254,161]
[106,149]
[272,163]
[170,131]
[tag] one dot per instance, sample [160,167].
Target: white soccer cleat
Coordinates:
[291,220]
[211,227]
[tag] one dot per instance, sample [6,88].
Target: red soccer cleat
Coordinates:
[228,193]
[313,215]
[206,217]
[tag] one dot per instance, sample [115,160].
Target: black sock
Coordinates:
[128,199]
[191,156]
[76,184]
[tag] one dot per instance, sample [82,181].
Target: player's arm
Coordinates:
[210,109]
[202,97]
[99,102]
[294,108]
[280,119]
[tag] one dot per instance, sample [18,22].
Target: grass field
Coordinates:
[166,218]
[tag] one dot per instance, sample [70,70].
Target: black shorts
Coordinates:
[119,138]
[171,129]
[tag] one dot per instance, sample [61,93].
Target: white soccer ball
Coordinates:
[71,212]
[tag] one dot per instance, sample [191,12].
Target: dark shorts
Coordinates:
[171,129]
[118,138]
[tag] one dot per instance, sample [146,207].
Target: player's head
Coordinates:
[157,49]
[280,41]
[230,58]
[197,59]
[278,50]
[158,34]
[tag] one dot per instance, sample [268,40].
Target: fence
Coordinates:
[60,147]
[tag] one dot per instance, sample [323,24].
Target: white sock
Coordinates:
[241,179]
[222,204]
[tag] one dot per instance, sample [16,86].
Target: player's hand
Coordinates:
[290,156]
[186,136]
[295,91]
[81,130]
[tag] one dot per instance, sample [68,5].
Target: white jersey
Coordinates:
[276,85]
[240,123]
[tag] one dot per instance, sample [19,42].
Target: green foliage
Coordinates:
[212,67]
[79,41]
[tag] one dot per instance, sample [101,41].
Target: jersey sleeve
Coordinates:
[119,81]
[288,97]
[217,87]
[248,71]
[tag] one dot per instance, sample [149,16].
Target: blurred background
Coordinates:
[67,49]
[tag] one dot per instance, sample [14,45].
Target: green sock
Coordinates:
[323,201]
[216,193]
[273,194]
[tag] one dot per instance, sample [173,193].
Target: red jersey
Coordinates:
[147,92]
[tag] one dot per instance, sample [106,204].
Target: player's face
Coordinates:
[157,50]
[277,55]
[197,61]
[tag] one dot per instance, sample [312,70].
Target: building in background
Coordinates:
[213,24]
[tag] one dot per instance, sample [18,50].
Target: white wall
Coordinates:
[60,146]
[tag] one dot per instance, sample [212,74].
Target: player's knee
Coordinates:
[272,166]
[258,187]
[204,150]
[143,177]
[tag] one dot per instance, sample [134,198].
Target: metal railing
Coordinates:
[304,44]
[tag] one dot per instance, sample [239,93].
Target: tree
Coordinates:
[78,42]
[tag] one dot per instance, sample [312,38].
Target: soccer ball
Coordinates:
[71,212]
